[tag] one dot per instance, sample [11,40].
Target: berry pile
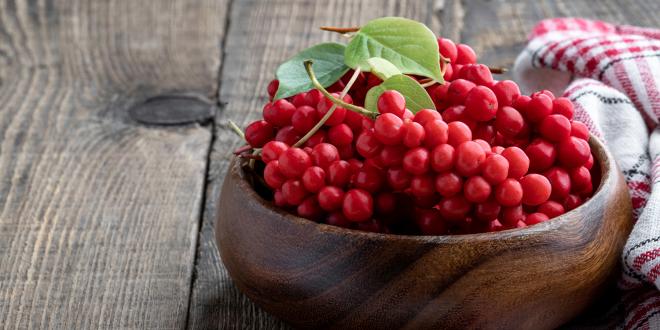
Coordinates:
[486,159]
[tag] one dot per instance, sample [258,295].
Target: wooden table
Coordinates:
[114,143]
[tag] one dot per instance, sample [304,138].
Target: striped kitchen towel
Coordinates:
[612,75]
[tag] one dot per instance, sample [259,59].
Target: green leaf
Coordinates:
[416,96]
[382,68]
[328,64]
[407,44]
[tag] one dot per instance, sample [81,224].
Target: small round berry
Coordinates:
[392,102]
[299,99]
[313,97]
[340,135]
[551,209]
[398,179]
[294,192]
[521,103]
[324,154]
[426,115]
[278,198]
[293,162]
[368,179]
[448,184]
[273,176]
[458,90]
[272,150]
[555,128]
[563,106]
[487,211]
[412,134]
[579,130]
[536,189]
[430,222]
[315,139]
[310,209]
[476,189]
[485,131]
[367,144]
[259,133]
[581,180]
[337,219]
[540,106]
[573,152]
[304,119]
[422,186]
[478,74]
[572,201]
[385,204]
[416,161]
[454,208]
[287,135]
[518,161]
[436,132]
[535,218]
[465,54]
[560,182]
[470,156]
[458,133]
[544,92]
[509,192]
[590,162]
[506,91]
[447,49]
[313,179]
[512,215]
[330,198]
[495,169]
[279,113]
[542,155]
[509,122]
[338,114]
[388,129]
[272,87]
[443,158]
[481,104]
[358,205]
[339,173]
[392,156]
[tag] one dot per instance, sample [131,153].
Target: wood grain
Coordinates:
[317,276]
[99,214]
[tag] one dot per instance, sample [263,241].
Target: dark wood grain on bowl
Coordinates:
[314,275]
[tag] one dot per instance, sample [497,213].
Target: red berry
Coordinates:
[454,208]
[485,131]
[581,180]
[330,198]
[555,128]
[448,184]
[422,186]
[392,102]
[521,103]
[293,162]
[304,119]
[560,182]
[540,106]
[443,157]
[340,135]
[412,134]
[478,74]
[368,179]
[544,92]
[354,120]
[470,156]
[509,192]
[385,204]
[310,209]
[511,216]
[416,161]
[495,169]
[507,92]
[448,49]
[536,189]
[476,189]
[337,219]
[572,201]
[579,130]
[258,133]
[487,211]
[426,115]
[509,122]
[313,97]
[563,106]
[288,135]
[457,133]
[392,156]
[590,162]
[272,150]
[573,152]
[481,104]
[367,144]
[358,205]
[458,90]
[313,179]
[339,173]
[273,176]
[279,113]
[324,154]
[518,161]
[408,115]
[278,198]
[337,116]
[436,132]
[388,129]
[551,209]
[430,222]
[272,87]
[398,179]
[294,192]
[315,139]
[542,155]
[465,54]
[535,218]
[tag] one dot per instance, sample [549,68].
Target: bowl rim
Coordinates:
[607,169]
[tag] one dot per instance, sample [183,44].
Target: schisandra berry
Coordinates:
[358,205]
[481,104]
[273,176]
[294,192]
[454,208]
[393,102]
[426,115]
[339,173]
[443,157]
[535,218]
[330,198]
[477,189]
[313,179]
[573,152]
[509,192]
[388,129]
[563,106]
[279,113]
[340,135]
[509,122]
[555,128]
[324,154]
[272,151]
[507,92]
[436,132]
[470,156]
[458,90]
[551,209]
[495,169]
[293,162]
[304,119]
[430,222]
[458,133]
[539,107]
[542,155]
[413,134]
[518,161]
[259,133]
[560,181]
[465,54]
[416,161]
[448,184]
[536,189]
[448,49]
[579,130]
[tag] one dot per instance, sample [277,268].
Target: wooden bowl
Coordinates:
[319,276]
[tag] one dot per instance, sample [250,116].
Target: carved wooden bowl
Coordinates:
[319,276]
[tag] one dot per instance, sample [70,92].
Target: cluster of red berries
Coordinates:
[487,159]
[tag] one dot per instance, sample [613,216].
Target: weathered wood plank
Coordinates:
[263,34]
[99,214]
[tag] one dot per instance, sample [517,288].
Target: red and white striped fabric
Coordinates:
[612,75]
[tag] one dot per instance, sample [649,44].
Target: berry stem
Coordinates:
[340,29]
[497,70]
[327,115]
[236,129]
[317,85]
